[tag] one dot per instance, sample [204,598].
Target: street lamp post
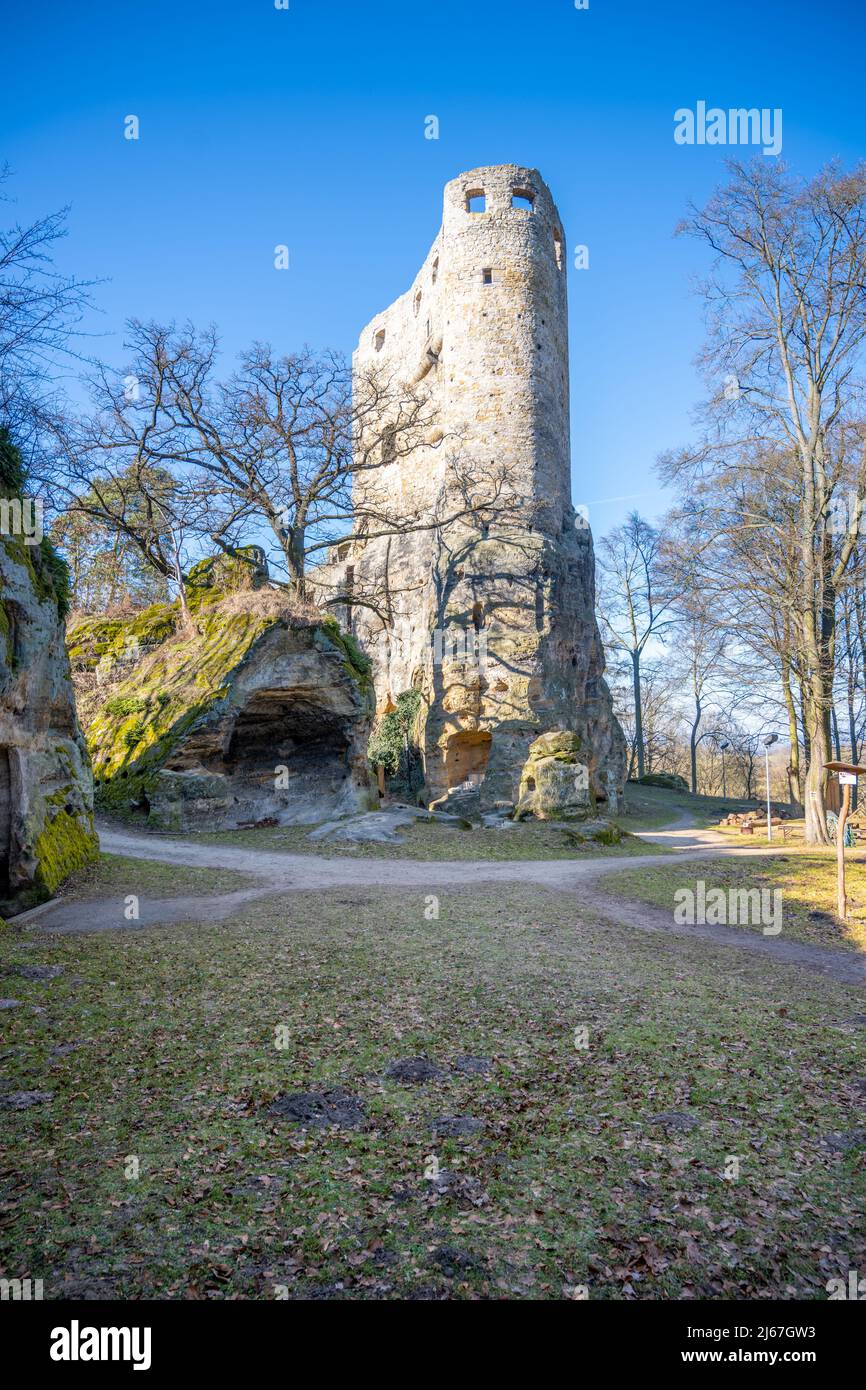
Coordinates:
[768,742]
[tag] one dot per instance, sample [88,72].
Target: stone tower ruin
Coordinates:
[490,617]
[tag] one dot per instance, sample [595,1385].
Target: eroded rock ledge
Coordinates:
[251,712]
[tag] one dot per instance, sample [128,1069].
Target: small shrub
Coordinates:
[122,708]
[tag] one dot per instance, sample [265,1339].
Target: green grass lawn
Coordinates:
[432,840]
[807,882]
[158,1052]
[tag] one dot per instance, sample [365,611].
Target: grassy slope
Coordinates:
[652,808]
[162,1045]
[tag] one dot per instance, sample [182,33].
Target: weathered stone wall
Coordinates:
[483,331]
[46,802]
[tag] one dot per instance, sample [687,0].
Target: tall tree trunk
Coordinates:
[804,724]
[852,731]
[638,712]
[794,787]
[693,746]
[818,726]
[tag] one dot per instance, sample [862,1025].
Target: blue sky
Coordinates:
[305,126]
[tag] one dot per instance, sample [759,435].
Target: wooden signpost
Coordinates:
[848,774]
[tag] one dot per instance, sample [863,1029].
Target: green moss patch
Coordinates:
[64,846]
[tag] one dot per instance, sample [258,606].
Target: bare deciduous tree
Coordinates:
[271,456]
[787,323]
[41,311]
[631,608]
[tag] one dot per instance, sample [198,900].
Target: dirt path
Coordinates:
[283,873]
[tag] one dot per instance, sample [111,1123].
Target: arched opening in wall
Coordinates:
[530,784]
[379,340]
[290,729]
[523,198]
[389,444]
[434,273]
[558,249]
[416,303]
[5,819]
[478,616]
[466,758]
[539,607]
[476,200]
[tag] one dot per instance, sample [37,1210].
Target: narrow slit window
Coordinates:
[487,276]
[557,247]
[435,275]
[379,340]
[417,303]
[476,201]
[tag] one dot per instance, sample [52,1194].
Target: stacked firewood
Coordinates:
[747,820]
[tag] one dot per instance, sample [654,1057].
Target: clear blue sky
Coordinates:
[306,127]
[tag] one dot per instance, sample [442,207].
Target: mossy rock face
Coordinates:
[561,744]
[218,575]
[64,845]
[151,711]
[46,803]
[99,644]
[554,783]
[671,781]
[90,639]
[197,731]
[358,664]
[601,832]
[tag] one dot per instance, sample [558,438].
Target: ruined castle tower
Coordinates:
[490,617]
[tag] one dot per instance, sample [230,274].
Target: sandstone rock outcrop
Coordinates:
[554,784]
[254,712]
[491,617]
[46,804]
